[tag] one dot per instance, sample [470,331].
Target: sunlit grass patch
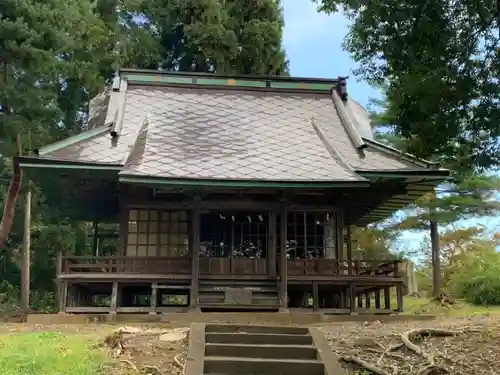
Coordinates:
[49,353]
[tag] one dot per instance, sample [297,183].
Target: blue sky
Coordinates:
[313,43]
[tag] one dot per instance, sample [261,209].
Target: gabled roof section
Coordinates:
[207,133]
[204,126]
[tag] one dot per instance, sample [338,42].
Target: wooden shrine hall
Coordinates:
[227,193]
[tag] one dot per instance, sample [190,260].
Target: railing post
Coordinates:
[59,268]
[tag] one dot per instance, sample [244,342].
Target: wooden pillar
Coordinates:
[271,253]
[114,298]
[360,301]
[59,268]
[154,297]
[387,298]
[195,251]
[352,298]
[283,258]
[377,299]
[367,300]
[315,296]
[63,297]
[399,296]
[95,237]
[122,239]
[25,261]
[339,223]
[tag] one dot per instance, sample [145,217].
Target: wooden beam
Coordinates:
[154,297]
[315,296]
[63,298]
[387,298]
[195,252]
[95,237]
[122,239]
[399,296]
[283,257]
[352,297]
[271,251]
[377,299]
[349,247]
[114,298]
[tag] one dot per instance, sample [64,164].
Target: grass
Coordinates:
[48,353]
[413,305]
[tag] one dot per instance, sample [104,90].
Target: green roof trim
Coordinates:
[301,86]
[237,183]
[83,136]
[33,162]
[398,153]
[205,79]
[432,174]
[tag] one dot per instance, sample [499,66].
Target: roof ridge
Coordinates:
[379,146]
[72,140]
[347,122]
[140,143]
[333,152]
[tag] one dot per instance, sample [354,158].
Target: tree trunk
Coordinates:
[12,195]
[436,260]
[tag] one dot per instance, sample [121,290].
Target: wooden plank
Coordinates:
[63,299]
[387,297]
[283,258]
[114,297]
[195,251]
[271,252]
[315,296]
[154,297]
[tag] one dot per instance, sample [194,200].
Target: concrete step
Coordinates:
[257,338]
[261,351]
[252,366]
[235,328]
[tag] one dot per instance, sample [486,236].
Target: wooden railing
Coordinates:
[333,267]
[126,264]
[233,266]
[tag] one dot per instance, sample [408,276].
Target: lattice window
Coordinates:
[239,235]
[309,235]
[154,232]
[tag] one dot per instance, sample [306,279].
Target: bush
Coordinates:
[479,282]
[41,301]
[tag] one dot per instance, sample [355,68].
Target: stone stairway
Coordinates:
[259,350]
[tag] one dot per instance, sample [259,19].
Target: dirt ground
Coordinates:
[446,346]
[454,346]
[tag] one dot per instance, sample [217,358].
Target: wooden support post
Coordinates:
[339,231]
[315,296]
[195,251]
[63,297]
[349,246]
[58,276]
[360,301]
[283,259]
[154,297]
[399,296]
[95,238]
[377,299]
[271,254]
[114,298]
[367,300]
[387,298]
[352,298]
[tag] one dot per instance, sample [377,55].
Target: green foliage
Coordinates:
[232,36]
[440,62]
[479,283]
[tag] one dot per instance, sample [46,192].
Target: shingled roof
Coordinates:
[202,127]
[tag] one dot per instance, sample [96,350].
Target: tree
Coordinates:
[232,36]
[469,195]
[440,62]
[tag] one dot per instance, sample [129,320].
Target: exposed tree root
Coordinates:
[366,365]
[406,338]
